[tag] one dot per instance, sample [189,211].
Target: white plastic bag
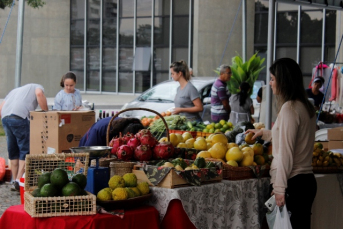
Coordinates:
[271,216]
[282,220]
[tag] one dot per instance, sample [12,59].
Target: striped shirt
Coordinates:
[219,92]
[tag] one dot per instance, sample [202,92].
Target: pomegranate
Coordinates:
[163,150]
[125,153]
[149,140]
[127,137]
[143,132]
[133,143]
[143,153]
[115,143]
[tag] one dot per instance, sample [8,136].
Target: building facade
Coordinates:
[126,46]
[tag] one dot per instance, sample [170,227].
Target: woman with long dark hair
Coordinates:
[241,104]
[292,179]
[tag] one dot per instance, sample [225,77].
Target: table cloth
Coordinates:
[16,218]
[227,204]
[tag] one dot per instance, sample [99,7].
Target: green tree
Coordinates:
[32,3]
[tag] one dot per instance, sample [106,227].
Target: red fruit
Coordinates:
[127,137]
[143,132]
[125,153]
[149,140]
[115,143]
[143,153]
[133,143]
[163,150]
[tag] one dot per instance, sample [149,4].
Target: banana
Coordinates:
[325,163]
[338,162]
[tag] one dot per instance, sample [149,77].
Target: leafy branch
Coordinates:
[32,3]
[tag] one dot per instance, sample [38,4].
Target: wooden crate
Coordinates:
[172,180]
[58,205]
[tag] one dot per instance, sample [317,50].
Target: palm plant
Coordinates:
[244,72]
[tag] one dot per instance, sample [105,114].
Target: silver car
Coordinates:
[160,98]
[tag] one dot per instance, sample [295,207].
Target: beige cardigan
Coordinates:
[292,138]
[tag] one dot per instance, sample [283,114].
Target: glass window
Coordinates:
[180,31]
[287,24]
[109,58]
[329,54]
[77,9]
[162,7]
[92,80]
[143,32]
[309,58]
[161,31]
[76,58]
[126,32]
[261,5]
[93,32]
[161,59]
[109,81]
[290,52]
[110,8]
[160,77]
[142,81]
[79,79]
[261,30]
[125,59]
[311,27]
[77,32]
[93,58]
[180,7]
[125,82]
[144,8]
[109,29]
[126,8]
[262,53]
[93,9]
[330,26]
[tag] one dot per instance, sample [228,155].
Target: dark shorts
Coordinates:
[17,132]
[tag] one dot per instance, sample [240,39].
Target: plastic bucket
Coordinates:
[21,185]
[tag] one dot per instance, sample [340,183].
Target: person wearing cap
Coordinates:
[314,92]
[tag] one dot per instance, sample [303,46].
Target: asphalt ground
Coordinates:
[108,103]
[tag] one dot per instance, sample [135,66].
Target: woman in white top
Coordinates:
[293,134]
[69,98]
[241,104]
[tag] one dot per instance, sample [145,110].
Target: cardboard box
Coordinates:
[335,134]
[325,144]
[335,145]
[56,131]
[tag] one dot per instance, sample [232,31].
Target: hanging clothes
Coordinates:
[324,71]
[334,84]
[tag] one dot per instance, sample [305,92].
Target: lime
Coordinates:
[43,179]
[209,126]
[222,122]
[218,125]
[217,130]
[222,130]
[80,179]
[211,130]
[205,130]
[229,124]
[226,127]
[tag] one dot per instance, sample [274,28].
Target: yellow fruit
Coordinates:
[254,164]
[179,138]
[248,138]
[164,139]
[190,143]
[259,159]
[173,139]
[182,145]
[249,150]
[232,163]
[222,122]
[143,187]
[209,138]
[186,136]
[200,144]
[243,146]
[247,160]
[194,166]
[104,194]
[319,163]
[219,138]
[235,154]
[209,126]
[204,154]
[218,151]
[325,163]
[179,168]
[258,149]
[119,194]
[232,144]
[317,145]
[209,145]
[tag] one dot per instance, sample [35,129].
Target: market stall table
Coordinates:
[227,204]
[16,218]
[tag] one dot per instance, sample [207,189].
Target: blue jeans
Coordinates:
[17,132]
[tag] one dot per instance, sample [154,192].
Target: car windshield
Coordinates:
[163,92]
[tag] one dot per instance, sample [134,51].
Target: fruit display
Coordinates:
[141,147]
[57,183]
[123,188]
[180,164]
[323,158]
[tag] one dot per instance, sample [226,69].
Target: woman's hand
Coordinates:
[176,110]
[256,132]
[280,199]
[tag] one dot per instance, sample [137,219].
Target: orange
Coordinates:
[248,138]
[258,149]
